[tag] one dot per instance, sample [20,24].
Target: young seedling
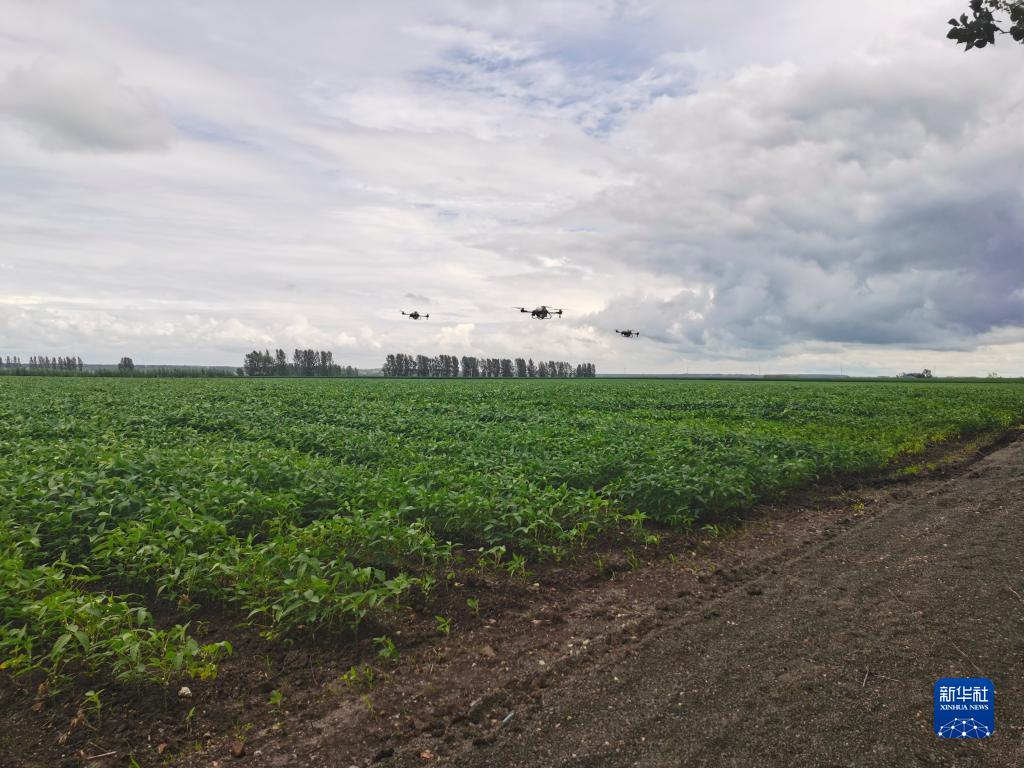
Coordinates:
[635,563]
[359,677]
[516,566]
[386,648]
[92,701]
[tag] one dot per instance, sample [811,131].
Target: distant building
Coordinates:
[925,374]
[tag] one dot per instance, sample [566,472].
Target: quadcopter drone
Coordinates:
[541,312]
[415,315]
[628,333]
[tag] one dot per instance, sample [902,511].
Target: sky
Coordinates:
[782,187]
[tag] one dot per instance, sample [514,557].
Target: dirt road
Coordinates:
[827,657]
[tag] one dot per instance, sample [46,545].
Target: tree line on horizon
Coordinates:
[307,362]
[72,365]
[44,363]
[450,366]
[304,362]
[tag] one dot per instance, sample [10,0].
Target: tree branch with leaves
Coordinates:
[980,29]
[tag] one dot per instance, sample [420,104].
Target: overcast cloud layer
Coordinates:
[788,186]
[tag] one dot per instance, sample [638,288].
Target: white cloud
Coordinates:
[460,336]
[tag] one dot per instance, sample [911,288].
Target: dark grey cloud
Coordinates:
[879,203]
[80,105]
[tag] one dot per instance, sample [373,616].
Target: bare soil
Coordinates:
[809,634]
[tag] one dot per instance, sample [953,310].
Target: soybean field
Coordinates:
[295,505]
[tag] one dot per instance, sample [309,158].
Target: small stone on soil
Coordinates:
[237,749]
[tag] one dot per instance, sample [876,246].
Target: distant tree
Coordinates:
[126,365]
[981,27]
[305,362]
[422,366]
[251,363]
[324,363]
[280,362]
